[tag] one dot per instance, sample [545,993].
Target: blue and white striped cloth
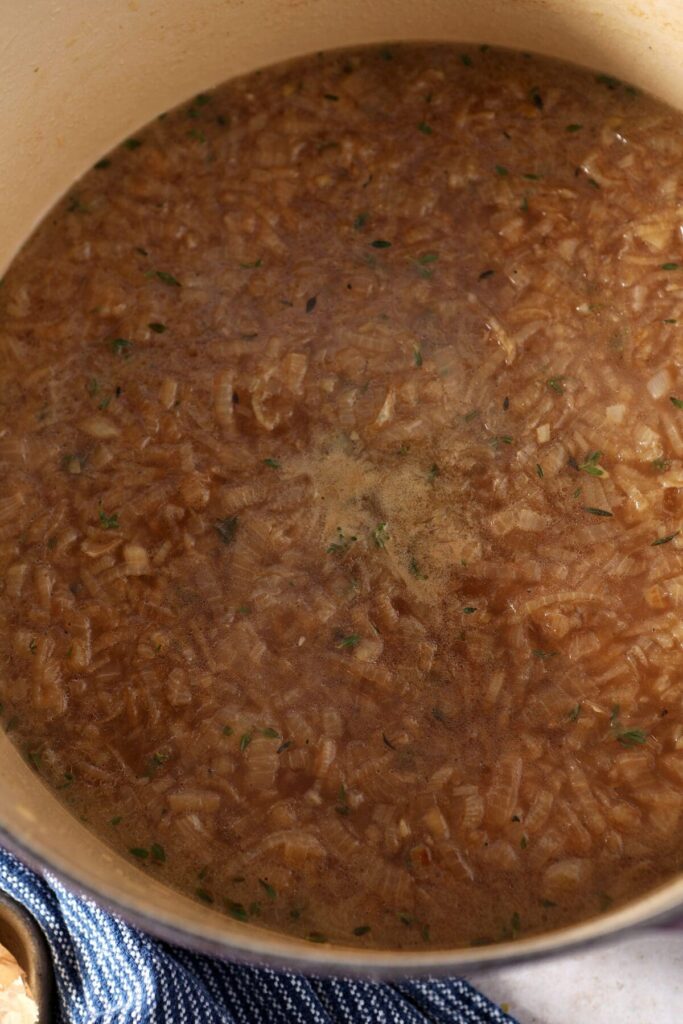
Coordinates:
[110,973]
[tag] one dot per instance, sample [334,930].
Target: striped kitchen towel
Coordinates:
[110,973]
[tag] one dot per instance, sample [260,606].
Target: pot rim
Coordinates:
[263,948]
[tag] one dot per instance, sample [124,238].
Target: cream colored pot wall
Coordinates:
[79,75]
[76,77]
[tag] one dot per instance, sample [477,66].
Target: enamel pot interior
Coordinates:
[78,78]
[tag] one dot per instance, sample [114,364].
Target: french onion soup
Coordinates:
[342,467]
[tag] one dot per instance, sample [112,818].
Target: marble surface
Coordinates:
[638,980]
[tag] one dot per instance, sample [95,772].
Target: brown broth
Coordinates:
[339,530]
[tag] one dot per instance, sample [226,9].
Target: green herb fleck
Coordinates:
[405,919]
[76,206]
[417,357]
[167,278]
[227,730]
[360,220]
[524,842]
[155,762]
[678,402]
[632,737]
[226,529]
[350,641]
[68,780]
[380,535]
[273,463]
[108,522]
[661,465]
[271,734]
[121,346]
[573,715]
[245,740]
[237,910]
[608,80]
[537,653]
[380,243]
[424,128]
[486,273]
[502,171]
[101,165]
[284,746]
[316,937]
[268,889]
[132,143]
[664,540]
[597,511]
[251,266]
[427,257]
[32,645]
[590,466]
[536,98]
[670,266]
[204,895]
[469,610]
[434,471]
[539,470]
[157,327]
[555,383]
[140,852]
[341,544]
[415,571]
[116,821]
[342,804]
[606,901]
[573,127]
[158,853]
[361,929]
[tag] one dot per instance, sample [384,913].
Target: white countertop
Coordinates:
[638,980]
